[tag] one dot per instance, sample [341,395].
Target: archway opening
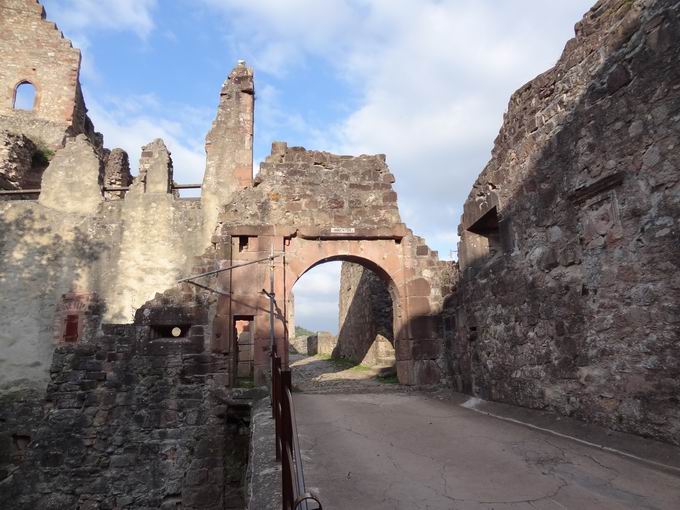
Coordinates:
[24,96]
[341,317]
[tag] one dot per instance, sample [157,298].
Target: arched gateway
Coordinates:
[309,207]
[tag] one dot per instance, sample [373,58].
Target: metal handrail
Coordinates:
[35,191]
[295,495]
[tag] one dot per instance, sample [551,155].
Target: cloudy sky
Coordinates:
[424,81]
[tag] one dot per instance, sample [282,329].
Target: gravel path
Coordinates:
[317,374]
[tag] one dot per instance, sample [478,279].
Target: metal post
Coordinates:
[276,402]
[272,342]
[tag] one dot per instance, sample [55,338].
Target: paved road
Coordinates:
[391,450]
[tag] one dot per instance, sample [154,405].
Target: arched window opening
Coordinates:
[24,97]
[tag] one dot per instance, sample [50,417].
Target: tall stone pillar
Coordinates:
[229,145]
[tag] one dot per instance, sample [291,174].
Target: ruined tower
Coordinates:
[36,55]
[229,145]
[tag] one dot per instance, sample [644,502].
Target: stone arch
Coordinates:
[25,96]
[378,319]
[368,263]
[396,258]
[383,256]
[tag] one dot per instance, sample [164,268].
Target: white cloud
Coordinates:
[434,78]
[80,16]
[135,121]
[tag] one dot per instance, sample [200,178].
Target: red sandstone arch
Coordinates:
[390,256]
[363,261]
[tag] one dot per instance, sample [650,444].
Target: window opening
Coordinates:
[488,227]
[24,97]
[242,243]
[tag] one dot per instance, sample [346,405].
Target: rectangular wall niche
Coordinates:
[71,328]
[488,230]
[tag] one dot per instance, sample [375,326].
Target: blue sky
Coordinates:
[424,81]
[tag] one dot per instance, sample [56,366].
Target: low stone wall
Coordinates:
[298,344]
[130,420]
[322,343]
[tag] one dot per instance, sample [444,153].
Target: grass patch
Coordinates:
[388,378]
[244,382]
[42,155]
[300,331]
[344,363]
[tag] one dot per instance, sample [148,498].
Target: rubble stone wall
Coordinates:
[365,315]
[116,172]
[16,161]
[569,296]
[297,187]
[129,420]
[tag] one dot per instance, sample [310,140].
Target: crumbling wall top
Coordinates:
[155,169]
[301,188]
[530,123]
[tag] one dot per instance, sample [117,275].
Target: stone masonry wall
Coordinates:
[365,315]
[313,188]
[33,50]
[229,145]
[313,207]
[16,161]
[131,420]
[116,172]
[124,251]
[569,297]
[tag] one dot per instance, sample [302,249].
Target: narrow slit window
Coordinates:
[24,98]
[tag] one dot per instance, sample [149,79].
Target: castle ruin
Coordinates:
[120,319]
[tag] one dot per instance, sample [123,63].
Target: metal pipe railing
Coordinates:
[295,495]
[36,191]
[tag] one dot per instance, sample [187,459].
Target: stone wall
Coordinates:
[317,189]
[308,207]
[33,50]
[229,145]
[569,295]
[116,172]
[72,240]
[16,162]
[365,317]
[321,343]
[131,419]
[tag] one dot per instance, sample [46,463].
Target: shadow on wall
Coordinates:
[568,300]
[43,255]
[366,313]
